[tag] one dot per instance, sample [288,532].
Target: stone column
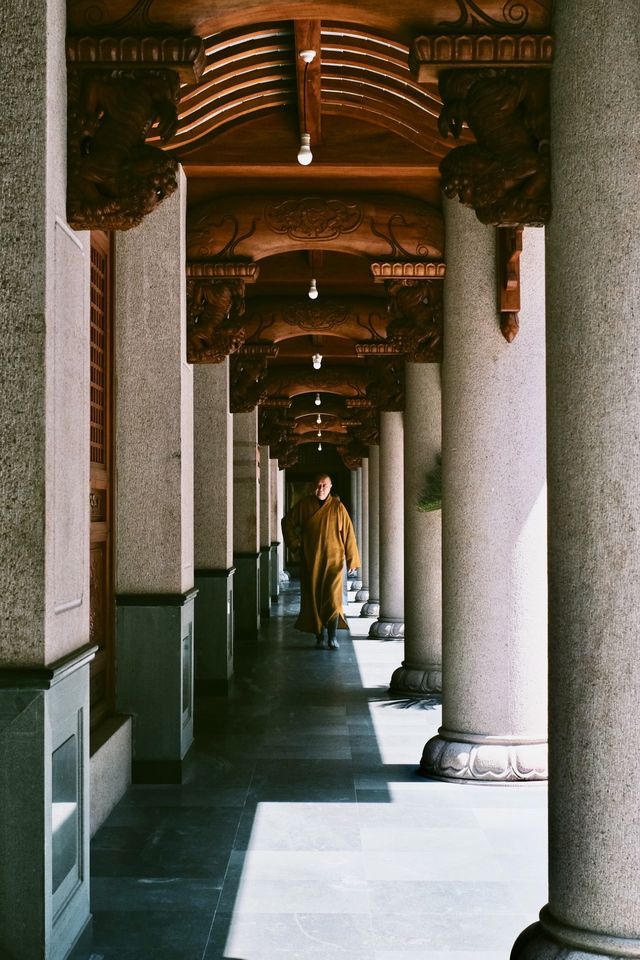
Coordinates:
[493,518]
[593,378]
[283,576]
[355,581]
[274,507]
[390,622]
[363,592]
[265,533]
[421,670]
[213,527]
[154,493]
[371,607]
[44,521]
[246,526]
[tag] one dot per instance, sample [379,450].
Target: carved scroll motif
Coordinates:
[415,328]
[214,319]
[509,248]
[504,176]
[515,13]
[313,218]
[114,178]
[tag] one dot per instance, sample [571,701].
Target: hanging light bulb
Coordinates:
[313,291]
[319,446]
[319,433]
[317,401]
[316,360]
[318,419]
[304,153]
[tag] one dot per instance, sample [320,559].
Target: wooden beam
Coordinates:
[307,37]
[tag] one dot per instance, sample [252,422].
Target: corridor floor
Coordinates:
[303,831]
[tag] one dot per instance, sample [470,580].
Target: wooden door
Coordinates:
[101,473]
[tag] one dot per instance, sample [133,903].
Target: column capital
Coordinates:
[215,308]
[248,369]
[415,325]
[504,176]
[119,88]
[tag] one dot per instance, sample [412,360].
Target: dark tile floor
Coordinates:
[303,832]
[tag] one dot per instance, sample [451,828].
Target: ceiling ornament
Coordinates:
[313,218]
[214,319]
[432,53]
[515,13]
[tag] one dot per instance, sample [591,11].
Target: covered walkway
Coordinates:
[303,831]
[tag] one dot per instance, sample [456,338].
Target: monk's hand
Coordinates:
[352,569]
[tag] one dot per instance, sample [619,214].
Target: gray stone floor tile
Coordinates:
[153,893]
[441,897]
[299,826]
[150,935]
[289,936]
[420,935]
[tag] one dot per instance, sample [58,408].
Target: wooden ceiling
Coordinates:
[375,143]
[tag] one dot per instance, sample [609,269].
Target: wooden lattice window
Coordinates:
[101,473]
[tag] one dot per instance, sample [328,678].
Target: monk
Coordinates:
[320,528]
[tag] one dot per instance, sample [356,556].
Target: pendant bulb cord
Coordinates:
[304,98]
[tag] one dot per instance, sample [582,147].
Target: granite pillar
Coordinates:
[493,518]
[265,533]
[421,670]
[274,507]
[371,607]
[390,622]
[246,527]
[593,382]
[355,581]
[44,520]
[154,492]
[363,592]
[213,528]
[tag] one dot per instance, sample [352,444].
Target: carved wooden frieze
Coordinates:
[293,379]
[118,91]
[415,328]
[279,318]
[505,175]
[509,248]
[382,226]
[515,14]
[407,270]
[433,53]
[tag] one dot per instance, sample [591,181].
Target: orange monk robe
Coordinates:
[324,535]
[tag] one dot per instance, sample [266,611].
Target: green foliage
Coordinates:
[431,497]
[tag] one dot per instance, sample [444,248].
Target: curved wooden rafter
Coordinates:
[283,318]
[253,71]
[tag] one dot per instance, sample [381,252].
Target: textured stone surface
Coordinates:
[363,542]
[44,453]
[110,770]
[213,631]
[494,507]
[374,531]
[593,370]
[154,405]
[422,534]
[213,467]
[391,527]
[246,489]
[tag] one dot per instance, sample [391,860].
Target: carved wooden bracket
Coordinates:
[214,319]
[415,329]
[378,348]
[430,54]
[246,387]
[505,175]
[509,248]
[118,90]
[386,386]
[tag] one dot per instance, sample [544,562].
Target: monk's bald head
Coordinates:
[323,485]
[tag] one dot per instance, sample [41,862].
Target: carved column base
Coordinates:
[417,681]
[474,758]
[371,609]
[387,630]
[354,584]
[362,595]
[548,939]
